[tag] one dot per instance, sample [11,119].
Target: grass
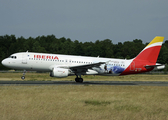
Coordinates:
[81,102]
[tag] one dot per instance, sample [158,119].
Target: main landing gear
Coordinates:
[24,73]
[78,79]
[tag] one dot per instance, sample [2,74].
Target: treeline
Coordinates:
[9,44]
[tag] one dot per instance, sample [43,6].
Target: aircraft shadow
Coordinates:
[65,83]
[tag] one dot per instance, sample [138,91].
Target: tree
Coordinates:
[38,48]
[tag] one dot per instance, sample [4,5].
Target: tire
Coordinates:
[23,77]
[80,80]
[77,79]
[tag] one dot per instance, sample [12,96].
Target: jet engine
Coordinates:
[59,72]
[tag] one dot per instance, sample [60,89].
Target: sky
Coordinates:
[85,20]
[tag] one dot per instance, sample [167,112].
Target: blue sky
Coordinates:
[86,20]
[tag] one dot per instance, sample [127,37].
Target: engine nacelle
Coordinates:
[59,72]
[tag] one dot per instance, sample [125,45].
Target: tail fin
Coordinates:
[151,51]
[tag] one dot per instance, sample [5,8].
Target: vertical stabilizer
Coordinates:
[151,51]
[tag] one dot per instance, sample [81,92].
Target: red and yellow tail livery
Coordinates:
[146,60]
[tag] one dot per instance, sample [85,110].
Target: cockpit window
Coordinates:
[13,57]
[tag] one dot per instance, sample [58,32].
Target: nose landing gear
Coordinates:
[24,73]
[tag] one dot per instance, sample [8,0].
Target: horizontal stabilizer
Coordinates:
[156,67]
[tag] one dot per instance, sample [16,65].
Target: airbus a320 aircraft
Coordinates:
[66,65]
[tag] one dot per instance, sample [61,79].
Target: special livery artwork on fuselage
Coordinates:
[112,68]
[65,65]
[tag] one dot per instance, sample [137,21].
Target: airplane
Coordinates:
[66,65]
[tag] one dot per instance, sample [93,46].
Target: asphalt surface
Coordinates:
[113,83]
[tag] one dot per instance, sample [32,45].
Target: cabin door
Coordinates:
[24,58]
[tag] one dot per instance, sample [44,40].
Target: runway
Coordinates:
[112,83]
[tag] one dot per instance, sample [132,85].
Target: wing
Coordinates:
[81,68]
[84,68]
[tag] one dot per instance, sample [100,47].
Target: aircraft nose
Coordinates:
[4,62]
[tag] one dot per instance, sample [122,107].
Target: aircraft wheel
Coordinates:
[79,80]
[23,77]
